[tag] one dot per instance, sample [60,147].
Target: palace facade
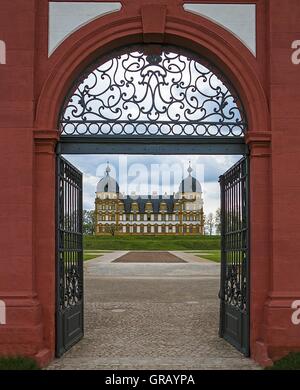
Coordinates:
[180,213]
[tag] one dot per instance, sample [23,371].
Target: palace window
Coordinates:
[148,207]
[163,206]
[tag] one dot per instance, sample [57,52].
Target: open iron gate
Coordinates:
[234,291]
[69,263]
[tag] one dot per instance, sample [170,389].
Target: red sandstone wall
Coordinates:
[26,254]
[284,92]
[17,105]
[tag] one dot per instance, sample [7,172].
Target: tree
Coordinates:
[209,223]
[88,222]
[112,229]
[218,221]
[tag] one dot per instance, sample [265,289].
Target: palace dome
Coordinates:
[190,183]
[108,183]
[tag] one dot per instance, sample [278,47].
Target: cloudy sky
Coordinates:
[148,174]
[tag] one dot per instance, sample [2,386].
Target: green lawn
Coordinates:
[139,242]
[88,256]
[214,255]
[18,363]
[289,362]
[92,254]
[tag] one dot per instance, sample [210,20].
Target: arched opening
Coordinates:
[156,99]
[163,94]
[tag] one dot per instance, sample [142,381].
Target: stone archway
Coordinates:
[202,36]
[153,95]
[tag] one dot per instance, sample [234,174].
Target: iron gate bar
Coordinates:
[235,265]
[160,145]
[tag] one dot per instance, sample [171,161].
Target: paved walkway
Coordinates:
[151,316]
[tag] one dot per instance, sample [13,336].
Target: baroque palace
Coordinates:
[180,213]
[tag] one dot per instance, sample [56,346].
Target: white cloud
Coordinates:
[211,197]
[89,188]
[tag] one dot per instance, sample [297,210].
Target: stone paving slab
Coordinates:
[190,257]
[106,258]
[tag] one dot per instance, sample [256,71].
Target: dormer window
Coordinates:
[149,207]
[163,207]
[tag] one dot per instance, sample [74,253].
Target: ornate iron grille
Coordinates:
[69,256]
[235,255]
[137,92]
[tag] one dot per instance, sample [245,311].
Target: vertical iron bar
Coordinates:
[223,255]
[247,248]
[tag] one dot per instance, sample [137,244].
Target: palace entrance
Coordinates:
[153,99]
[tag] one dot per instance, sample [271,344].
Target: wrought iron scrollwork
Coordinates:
[73,293]
[137,93]
[235,286]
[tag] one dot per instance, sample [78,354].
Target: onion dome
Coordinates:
[190,183]
[108,183]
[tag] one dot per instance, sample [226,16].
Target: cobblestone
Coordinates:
[150,322]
